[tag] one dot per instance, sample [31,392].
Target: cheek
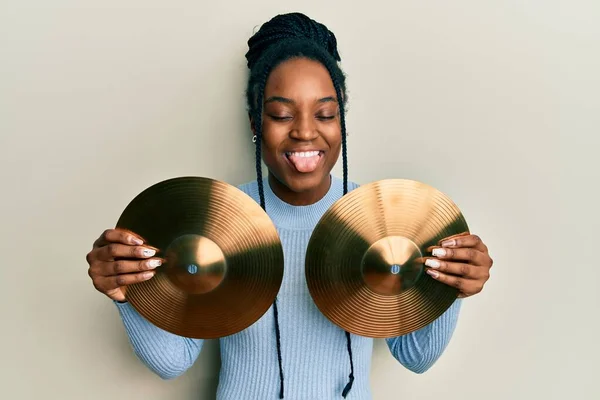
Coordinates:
[334,139]
[272,138]
[335,154]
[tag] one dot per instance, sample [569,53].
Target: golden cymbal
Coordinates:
[364,262]
[224,260]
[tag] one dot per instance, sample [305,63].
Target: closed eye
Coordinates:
[278,118]
[325,117]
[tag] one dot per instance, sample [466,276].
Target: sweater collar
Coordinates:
[285,215]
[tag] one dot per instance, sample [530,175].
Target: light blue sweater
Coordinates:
[314,351]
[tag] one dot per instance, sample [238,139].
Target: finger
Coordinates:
[118,235]
[117,295]
[447,239]
[462,234]
[469,254]
[119,267]
[115,250]
[116,281]
[465,241]
[466,287]
[458,269]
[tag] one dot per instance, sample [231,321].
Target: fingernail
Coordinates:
[148,275]
[148,252]
[154,263]
[449,243]
[439,252]
[433,273]
[432,263]
[135,240]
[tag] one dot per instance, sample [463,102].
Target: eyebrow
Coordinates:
[290,101]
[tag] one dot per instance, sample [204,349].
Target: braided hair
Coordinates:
[282,38]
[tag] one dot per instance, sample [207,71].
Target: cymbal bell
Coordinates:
[364,262]
[223,258]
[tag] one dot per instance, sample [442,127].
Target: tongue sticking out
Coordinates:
[304,163]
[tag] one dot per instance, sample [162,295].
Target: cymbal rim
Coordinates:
[337,288]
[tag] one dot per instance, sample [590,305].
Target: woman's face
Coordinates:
[301,125]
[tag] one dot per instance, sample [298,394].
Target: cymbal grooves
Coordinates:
[241,230]
[395,207]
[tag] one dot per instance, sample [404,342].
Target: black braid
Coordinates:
[258,143]
[282,38]
[344,147]
[278,338]
[341,102]
[345,171]
[258,133]
[351,376]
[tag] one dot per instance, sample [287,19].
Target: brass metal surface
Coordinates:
[223,257]
[364,262]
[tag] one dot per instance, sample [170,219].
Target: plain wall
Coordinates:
[496,103]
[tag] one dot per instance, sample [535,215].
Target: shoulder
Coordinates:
[352,186]
[250,188]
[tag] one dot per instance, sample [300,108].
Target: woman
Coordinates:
[296,95]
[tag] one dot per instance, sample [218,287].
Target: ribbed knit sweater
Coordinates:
[314,351]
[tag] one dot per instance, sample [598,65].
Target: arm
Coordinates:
[419,350]
[463,262]
[166,354]
[120,258]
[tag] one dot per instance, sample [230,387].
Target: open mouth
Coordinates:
[304,161]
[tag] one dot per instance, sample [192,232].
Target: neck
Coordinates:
[305,198]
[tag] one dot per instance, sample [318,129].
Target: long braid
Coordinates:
[278,338]
[344,147]
[342,112]
[259,180]
[340,95]
[351,376]
[261,193]
[258,143]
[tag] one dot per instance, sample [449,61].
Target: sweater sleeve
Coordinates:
[164,353]
[419,350]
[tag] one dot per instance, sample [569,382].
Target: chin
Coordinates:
[299,183]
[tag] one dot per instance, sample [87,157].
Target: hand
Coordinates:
[117,259]
[461,261]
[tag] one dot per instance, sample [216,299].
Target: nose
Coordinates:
[304,128]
